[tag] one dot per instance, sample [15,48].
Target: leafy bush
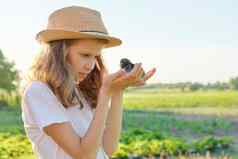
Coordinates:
[14,146]
[139,143]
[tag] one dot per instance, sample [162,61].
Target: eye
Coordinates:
[86,55]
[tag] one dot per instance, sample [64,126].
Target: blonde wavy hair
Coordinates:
[51,67]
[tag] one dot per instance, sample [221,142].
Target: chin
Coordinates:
[79,80]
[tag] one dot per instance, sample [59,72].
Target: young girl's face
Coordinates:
[82,56]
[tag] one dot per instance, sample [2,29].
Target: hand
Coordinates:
[122,79]
[143,78]
[137,76]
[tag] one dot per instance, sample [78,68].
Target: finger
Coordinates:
[134,72]
[132,76]
[149,74]
[142,74]
[140,83]
[118,74]
[139,75]
[139,72]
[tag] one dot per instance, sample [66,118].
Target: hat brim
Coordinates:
[50,35]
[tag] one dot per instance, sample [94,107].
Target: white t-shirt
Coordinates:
[40,108]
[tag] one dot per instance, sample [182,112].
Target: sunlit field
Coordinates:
[156,123]
[152,99]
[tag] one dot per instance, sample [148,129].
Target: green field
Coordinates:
[172,118]
[152,99]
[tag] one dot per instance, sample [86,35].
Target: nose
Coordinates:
[89,66]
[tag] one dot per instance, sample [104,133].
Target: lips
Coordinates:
[83,74]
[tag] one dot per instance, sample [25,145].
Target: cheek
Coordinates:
[75,61]
[79,63]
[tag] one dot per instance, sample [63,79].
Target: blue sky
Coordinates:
[186,40]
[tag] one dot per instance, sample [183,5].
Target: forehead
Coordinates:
[87,46]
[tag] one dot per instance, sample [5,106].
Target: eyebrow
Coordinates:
[88,53]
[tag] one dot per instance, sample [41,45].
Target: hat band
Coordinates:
[93,31]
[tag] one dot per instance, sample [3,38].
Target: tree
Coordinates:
[8,74]
[195,86]
[234,83]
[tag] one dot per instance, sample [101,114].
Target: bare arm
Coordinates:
[114,124]
[85,147]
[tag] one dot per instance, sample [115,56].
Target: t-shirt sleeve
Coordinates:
[44,106]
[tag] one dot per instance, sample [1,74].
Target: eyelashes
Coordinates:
[84,55]
[87,55]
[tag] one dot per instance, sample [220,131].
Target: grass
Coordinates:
[11,120]
[141,99]
[171,124]
[188,115]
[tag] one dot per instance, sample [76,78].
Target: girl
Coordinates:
[71,105]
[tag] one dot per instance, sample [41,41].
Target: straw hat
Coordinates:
[76,22]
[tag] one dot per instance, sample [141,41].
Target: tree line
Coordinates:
[10,80]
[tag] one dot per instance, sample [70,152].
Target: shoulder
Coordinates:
[36,87]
